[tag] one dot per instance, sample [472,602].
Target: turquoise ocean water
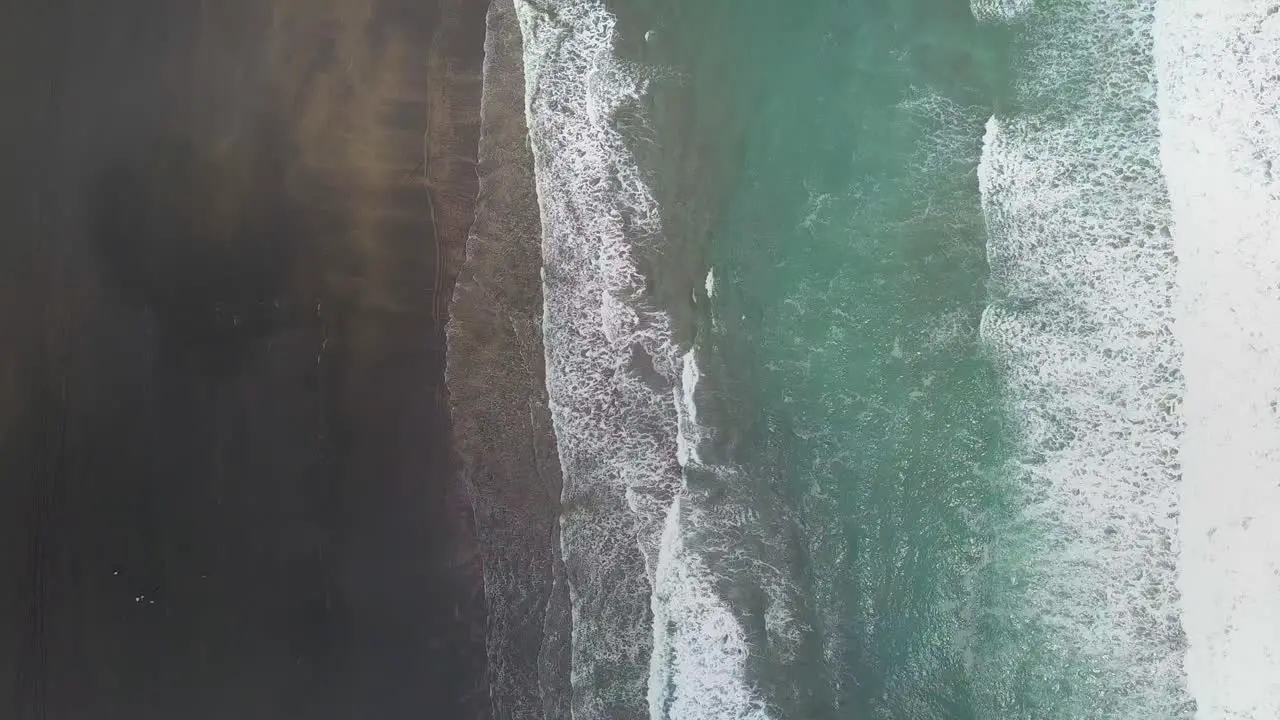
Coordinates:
[850,268]
[860,326]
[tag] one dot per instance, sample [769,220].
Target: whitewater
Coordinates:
[659,531]
[1218,66]
[1133,216]
[614,421]
[1083,271]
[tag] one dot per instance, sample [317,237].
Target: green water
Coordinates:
[847,243]
[855,249]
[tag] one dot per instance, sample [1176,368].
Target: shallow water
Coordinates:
[852,260]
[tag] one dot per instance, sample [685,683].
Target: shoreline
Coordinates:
[504,440]
[448,174]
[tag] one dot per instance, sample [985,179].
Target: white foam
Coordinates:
[717,548]
[689,375]
[700,650]
[688,432]
[1081,331]
[1218,64]
[623,436]
[711,282]
[1000,10]
[615,432]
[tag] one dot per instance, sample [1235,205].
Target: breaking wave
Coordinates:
[1000,10]
[663,538]
[1081,327]
[1218,65]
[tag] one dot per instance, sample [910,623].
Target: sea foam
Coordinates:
[638,544]
[1218,64]
[611,364]
[1000,10]
[681,563]
[1080,326]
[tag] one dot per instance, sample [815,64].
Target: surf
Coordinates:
[1217,64]
[662,533]
[1082,581]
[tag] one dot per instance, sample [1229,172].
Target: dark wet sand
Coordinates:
[225,481]
[498,390]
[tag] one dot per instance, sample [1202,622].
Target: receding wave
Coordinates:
[669,548]
[610,361]
[504,439]
[733,629]
[1081,327]
[1218,65]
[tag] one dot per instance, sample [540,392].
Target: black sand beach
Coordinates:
[226,484]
